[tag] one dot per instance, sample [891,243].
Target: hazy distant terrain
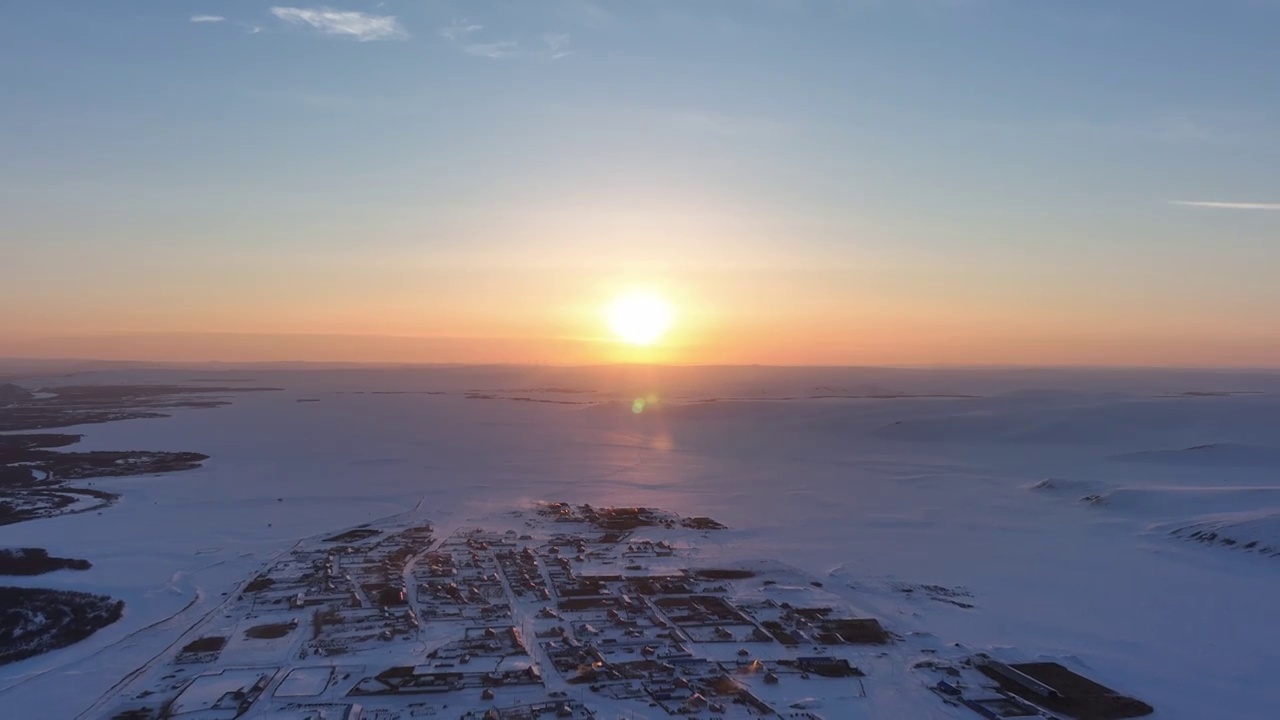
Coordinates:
[1119,521]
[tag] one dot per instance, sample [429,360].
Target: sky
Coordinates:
[898,182]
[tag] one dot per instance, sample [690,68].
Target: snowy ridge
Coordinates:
[1065,486]
[1257,531]
[1208,455]
[1171,502]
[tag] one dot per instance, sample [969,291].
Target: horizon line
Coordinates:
[389,364]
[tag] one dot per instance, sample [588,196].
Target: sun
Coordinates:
[639,318]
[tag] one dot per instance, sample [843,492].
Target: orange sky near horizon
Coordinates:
[543,302]
[869,313]
[793,346]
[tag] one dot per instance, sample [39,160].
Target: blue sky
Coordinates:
[224,164]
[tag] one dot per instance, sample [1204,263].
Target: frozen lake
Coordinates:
[836,472]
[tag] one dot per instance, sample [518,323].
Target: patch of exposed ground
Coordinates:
[34,479]
[68,405]
[36,561]
[35,620]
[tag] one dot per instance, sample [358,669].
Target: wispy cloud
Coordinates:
[207,19]
[557,45]
[496,50]
[553,46]
[459,30]
[361,26]
[1218,205]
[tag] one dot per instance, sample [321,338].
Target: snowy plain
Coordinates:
[1051,496]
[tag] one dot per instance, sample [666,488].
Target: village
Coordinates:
[564,611]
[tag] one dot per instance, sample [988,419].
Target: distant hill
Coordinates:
[10,393]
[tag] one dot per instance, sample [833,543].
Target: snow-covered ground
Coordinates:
[1062,502]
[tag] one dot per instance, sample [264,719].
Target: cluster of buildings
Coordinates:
[562,611]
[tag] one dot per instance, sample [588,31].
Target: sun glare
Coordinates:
[639,318]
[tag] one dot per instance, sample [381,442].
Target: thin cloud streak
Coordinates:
[207,19]
[496,50]
[1217,205]
[459,31]
[554,45]
[361,26]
